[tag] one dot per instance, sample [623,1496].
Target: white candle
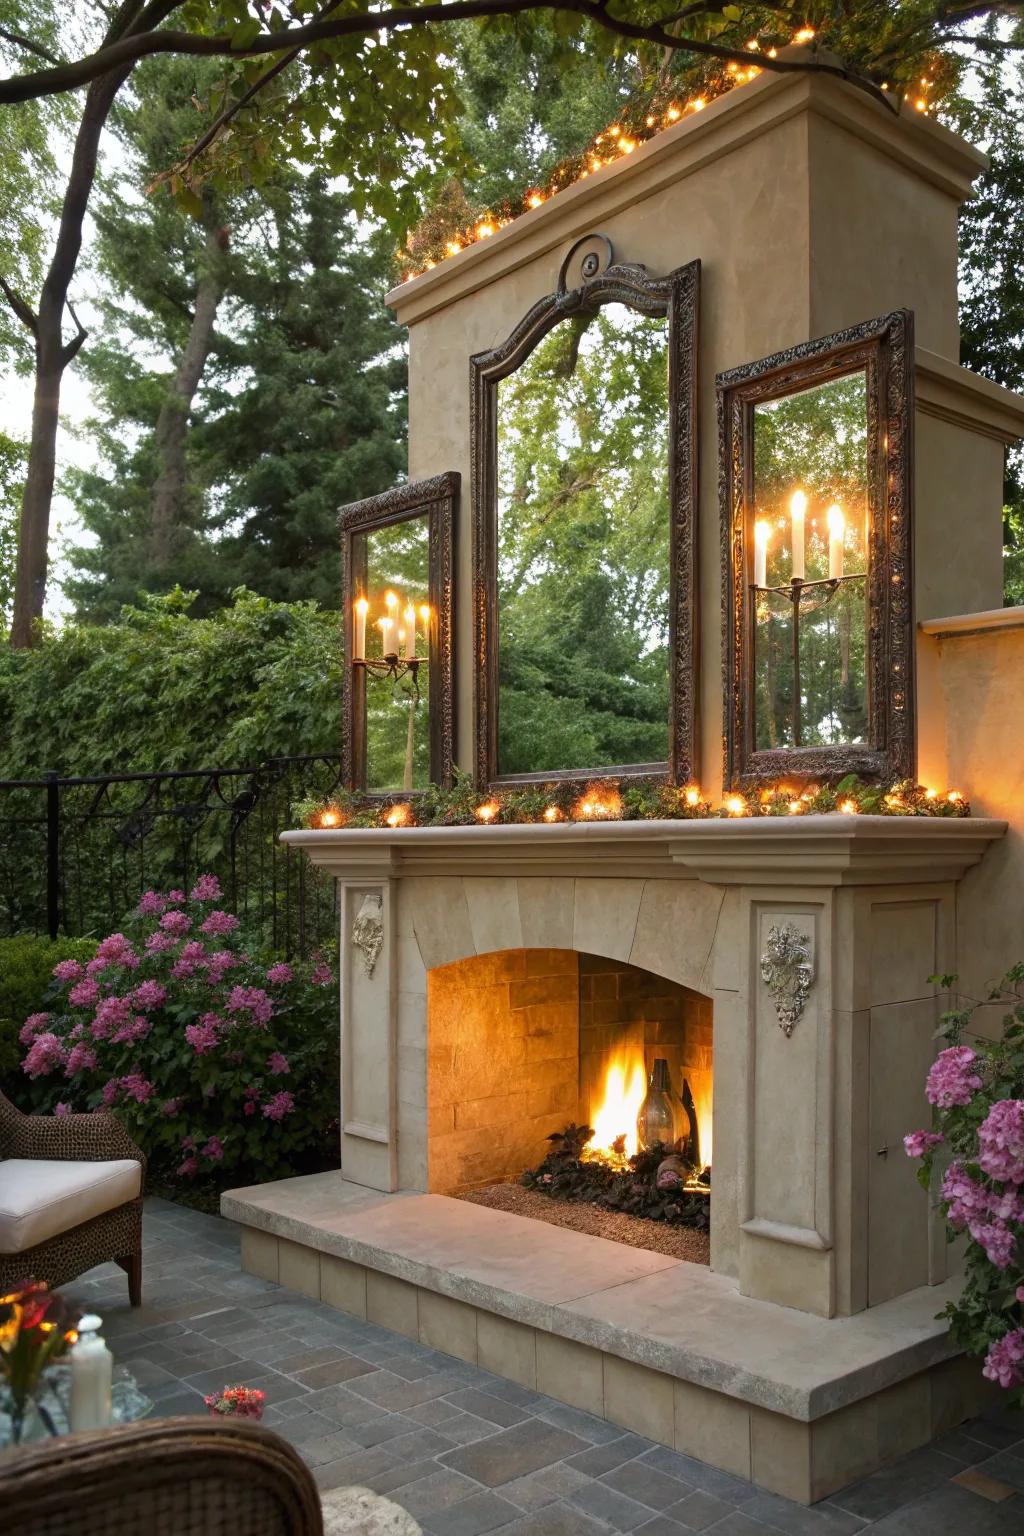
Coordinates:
[797,513]
[386,626]
[836,536]
[410,633]
[359,641]
[92,1367]
[762,533]
[425,617]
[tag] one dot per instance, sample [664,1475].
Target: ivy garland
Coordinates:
[464,805]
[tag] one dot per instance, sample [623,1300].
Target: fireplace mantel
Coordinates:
[810,850]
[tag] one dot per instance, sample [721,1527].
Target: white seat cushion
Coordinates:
[42,1197]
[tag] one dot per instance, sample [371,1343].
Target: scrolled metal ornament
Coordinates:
[787,972]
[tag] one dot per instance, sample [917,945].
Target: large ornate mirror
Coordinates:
[584,497]
[398,701]
[816,522]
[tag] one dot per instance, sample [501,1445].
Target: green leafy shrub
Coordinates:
[26,984]
[977,1094]
[220,1065]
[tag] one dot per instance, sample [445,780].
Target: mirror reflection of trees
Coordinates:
[397,723]
[813,445]
[583,547]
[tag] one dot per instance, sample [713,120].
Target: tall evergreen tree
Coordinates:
[291,405]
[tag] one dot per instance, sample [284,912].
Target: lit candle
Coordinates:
[836,535]
[410,633]
[425,617]
[797,513]
[359,641]
[385,626]
[762,533]
[91,1371]
[390,603]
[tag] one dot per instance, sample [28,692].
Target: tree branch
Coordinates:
[17,40]
[124,53]
[21,309]
[206,139]
[71,347]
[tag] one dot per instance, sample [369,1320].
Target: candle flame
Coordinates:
[836,521]
[691,794]
[390,600]
[362,606]
[399,816]
[849,807]
[552,813]
[762,533]
[329,817]
[599,802]
[487,811]
[797,504]
[736,805]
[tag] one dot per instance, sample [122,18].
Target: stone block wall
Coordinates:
[502,1063]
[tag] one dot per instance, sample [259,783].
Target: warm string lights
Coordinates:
[640,800]
[613,143]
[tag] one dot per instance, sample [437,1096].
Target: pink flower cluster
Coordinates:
[204,1036]
[952,1078]
[920,1142]
[280,974]
[1001,1141]
[81,1058]
[45,1054]
[219,923]
[1005,1359]
[114,952]
[206,888]
[251,1000]
[136,1087]
[984,1212]
[33,1025]
[67,970]
[280,1105]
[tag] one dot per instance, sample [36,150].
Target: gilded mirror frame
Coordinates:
[677,298]
[884,350]
[436,500]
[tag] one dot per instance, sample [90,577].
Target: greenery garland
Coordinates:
[644,799]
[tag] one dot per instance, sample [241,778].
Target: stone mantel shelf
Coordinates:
[831,850]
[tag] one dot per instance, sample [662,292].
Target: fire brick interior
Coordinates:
[522,1042]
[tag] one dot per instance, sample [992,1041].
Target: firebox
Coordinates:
[523,1042]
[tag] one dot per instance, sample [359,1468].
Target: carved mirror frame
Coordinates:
[676,297]
[436,500]
[884,350]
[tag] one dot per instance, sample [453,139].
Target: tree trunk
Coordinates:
[53,354]
[171,486]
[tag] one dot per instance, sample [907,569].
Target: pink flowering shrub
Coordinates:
[219,1063]
[977,1097]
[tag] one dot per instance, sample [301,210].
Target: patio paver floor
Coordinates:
[467,1452]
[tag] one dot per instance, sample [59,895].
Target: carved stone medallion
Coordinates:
[368,931]
[787,972]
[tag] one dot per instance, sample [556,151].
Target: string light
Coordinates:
[601,800]
[619,143]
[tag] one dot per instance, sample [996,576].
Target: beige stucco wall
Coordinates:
[974,685]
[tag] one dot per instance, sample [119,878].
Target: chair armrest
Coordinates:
[88,1138]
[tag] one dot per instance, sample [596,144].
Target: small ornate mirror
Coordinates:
[398,700]
[584,505]
[815,478]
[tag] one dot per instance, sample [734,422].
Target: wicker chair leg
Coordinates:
[132,1266]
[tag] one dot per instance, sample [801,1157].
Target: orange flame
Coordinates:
[599,802]
[399,816]
[625,1085]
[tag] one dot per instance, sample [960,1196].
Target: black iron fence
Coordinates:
[76,853]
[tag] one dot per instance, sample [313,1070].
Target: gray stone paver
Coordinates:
[465,1452]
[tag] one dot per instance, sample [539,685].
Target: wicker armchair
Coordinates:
[173,1477]
[70,1247]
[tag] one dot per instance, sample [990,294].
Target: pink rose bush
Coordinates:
[977,1095]
[186,1035]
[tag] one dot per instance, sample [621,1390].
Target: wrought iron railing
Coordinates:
[76,853]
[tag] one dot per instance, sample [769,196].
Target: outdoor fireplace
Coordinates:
[505,965]
[524,1042]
